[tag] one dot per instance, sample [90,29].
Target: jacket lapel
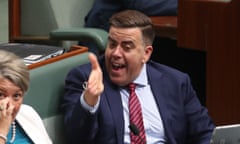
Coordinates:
[114,101]
[32,124]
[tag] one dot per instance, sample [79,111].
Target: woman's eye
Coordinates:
[2,95]
[17,96]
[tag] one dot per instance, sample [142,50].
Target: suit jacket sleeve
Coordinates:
[81,126]
[185,120]
[200,125]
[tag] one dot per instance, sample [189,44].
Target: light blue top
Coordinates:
[21,137]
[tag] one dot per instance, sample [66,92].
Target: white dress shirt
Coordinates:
[151,117]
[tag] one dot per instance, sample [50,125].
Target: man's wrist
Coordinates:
[91,109]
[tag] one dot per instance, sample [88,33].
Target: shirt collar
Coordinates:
[142,80]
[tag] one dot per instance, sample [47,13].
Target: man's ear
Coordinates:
[147,54]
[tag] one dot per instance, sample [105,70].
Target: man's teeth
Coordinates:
[117,65]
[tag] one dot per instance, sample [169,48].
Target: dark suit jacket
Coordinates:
[185,120]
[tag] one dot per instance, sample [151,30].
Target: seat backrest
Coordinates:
[38,18]
[46,91]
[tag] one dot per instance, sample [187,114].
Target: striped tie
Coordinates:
[136,116]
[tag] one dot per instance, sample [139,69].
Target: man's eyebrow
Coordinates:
[110,38]
[123,42]
[127,42]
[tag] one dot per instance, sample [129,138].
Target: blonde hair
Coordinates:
[14,69]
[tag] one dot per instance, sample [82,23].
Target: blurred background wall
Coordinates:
[39,17]
[3,21]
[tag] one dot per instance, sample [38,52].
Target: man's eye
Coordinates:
[112,45]
[127,47]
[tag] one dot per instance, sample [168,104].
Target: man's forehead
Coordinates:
[124,34]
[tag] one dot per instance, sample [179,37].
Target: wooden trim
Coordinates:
[32,38]
[165,26]
[214,27]
[73,52]
[14,19]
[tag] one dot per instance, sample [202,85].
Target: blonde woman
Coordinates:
[19,123]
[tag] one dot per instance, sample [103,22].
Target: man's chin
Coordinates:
[118,81]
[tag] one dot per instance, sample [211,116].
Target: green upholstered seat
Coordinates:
[46,91]
[97,36]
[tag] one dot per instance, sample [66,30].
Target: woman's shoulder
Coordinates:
[32,124]
[28,111]
[25,107]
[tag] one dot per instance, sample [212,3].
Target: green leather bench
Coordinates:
[46,91]
[97,36]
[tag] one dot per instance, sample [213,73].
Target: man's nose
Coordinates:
[117,50]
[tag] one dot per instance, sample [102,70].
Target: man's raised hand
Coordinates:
[95,82]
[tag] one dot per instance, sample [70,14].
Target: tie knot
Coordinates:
[132,87]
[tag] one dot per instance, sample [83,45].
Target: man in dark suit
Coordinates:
[97,106]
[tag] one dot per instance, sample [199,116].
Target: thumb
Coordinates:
[93,60]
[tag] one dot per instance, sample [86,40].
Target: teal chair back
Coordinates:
[99,37]
[46,92]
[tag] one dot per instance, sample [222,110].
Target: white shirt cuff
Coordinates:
[91,109]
